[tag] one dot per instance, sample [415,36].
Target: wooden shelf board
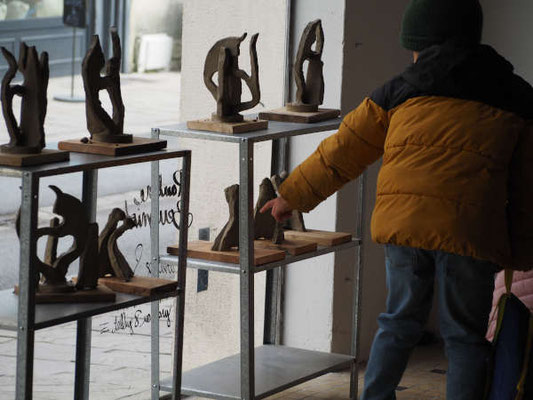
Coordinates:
[293,247]
[139,145]
[248,125]
[139,285]
[202,249]
[284,115]
[323,238]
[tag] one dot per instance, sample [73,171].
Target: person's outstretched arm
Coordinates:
[338,159]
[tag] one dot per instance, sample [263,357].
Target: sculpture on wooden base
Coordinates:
[54,268]
[265,226]
[28,137]
[112,261]
[223,59]
[101,126]
[229,236]
[296,221]
[309,78]
[107,135]
[309,90]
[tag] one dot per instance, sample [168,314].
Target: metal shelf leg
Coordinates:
[26,297]
[246,250]
[154,257]
[357,285]
[83,330]
[182,270]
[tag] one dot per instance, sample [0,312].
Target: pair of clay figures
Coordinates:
[99,255]
[265,226]
[223,59]
[27,136]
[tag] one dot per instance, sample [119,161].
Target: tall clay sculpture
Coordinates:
[27,136]
[265,225]
[223,58]
[101,126]
[310,90]
[229,236]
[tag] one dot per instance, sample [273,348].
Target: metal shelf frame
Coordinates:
[20,312]
[245,365]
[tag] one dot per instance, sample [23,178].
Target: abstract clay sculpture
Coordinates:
[265,226]
[27,136]
[110,258]
[118,261]
[296,221]
[73,222]
[310,90]
[223,58]
[101,126]
[229,236]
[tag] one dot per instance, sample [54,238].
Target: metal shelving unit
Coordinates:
[21,314]
[258,372]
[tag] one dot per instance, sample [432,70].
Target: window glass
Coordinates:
[27,9]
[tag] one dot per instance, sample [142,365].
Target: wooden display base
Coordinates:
[46,156]
[248,125]
[99,295]
[139,285]
[284,115]
[202,249]
[323,238]
[139,145]
[293,247]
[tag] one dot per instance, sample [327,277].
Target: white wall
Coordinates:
[212,328]
[509,30]
[308,312]
[361,52]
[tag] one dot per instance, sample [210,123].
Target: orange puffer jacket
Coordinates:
[456,134]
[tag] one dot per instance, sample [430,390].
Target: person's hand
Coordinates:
[280,209]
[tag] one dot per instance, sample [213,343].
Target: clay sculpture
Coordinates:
[229,236]
[111,260]
[310,90]
[266,227]
[101,126]
[296,221]
[75,223]
[28,136]
[223,58]
[119,264]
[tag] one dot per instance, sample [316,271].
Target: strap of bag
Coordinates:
[508,280]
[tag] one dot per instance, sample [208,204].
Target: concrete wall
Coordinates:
[212,328]
[308,312]
[508,29]
[357,59]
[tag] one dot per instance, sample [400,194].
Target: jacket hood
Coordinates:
[475,72]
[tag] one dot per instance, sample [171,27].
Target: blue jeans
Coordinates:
[465,287]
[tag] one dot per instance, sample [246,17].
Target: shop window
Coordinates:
[28,9]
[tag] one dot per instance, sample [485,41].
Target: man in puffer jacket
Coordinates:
[454,194]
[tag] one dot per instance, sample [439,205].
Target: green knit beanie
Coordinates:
[429,22]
